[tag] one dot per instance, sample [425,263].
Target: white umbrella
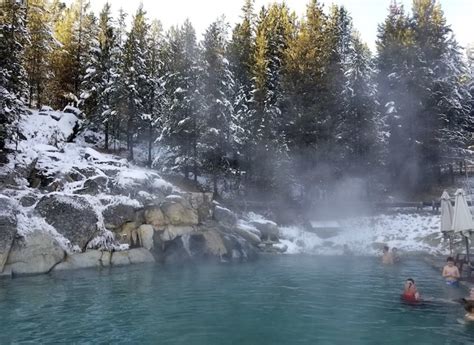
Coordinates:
[447,213]
[462,220]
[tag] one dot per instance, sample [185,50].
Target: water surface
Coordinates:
[276,300]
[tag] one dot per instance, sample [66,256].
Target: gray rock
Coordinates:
[269,230]
[202,203]
[225,216]
[115,215]
[238,249]
[90,258]
[71,215]
[35,253]
[120,258]
[7,228]
[247,235]
[94,185]
[140,255]
[28,200]
[178,211]
[145,236]
[132,256]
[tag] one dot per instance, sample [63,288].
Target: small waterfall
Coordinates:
[185,240]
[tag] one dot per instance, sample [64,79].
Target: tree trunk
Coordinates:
[150,142]
[106,132]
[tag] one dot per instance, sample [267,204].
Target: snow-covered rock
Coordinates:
[73,216]
[225,216]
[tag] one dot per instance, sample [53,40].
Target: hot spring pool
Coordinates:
[276,300]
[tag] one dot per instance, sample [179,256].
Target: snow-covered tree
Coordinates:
[217,111]
[135,76]
[181,126]
[13,81]
[38,49]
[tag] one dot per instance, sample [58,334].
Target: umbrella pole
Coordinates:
[467,250]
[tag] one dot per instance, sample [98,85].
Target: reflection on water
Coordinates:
[276,300]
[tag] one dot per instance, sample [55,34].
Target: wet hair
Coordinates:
[386,248]
[468,305]
[450,258]
[410,280]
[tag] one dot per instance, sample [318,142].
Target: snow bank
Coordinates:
[366,235]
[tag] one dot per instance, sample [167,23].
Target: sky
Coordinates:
[366,14]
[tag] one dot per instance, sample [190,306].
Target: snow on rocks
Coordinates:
[366,235]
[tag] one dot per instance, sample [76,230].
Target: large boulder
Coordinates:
[88,259]
[173,231]
[7,228]
[238,249]
[214,244]
[132,256]
[248,235]
[118,213]
[202,203]
[145,236]
[71,215]
[178,211]
[37,252]
[155,217]
[225,216]
[268,229]
[94,185]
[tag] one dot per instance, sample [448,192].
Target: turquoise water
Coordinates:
[276,300]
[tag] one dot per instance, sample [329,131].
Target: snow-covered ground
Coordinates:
[410,233]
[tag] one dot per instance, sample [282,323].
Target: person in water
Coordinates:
[395,255]
[471,295]
[451,272]
[469,307]
[387,257]
[410,293]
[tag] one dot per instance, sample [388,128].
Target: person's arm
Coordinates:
[417,296]
[444,272]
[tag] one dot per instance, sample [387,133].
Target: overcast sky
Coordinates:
[366,14]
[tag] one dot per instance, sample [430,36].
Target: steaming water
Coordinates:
[276,300]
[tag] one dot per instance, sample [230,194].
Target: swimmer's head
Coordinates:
[409,282]
[385,249]
[394,249]
[450,261]
[469,307]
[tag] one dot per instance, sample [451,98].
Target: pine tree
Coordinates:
[394,65]
[155,99]
[217,112]
[74,29]
[13,82]
[181,125]
[304,63]
[38,49]
[134,74]
[100,82]
[274,31]
[360,139]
